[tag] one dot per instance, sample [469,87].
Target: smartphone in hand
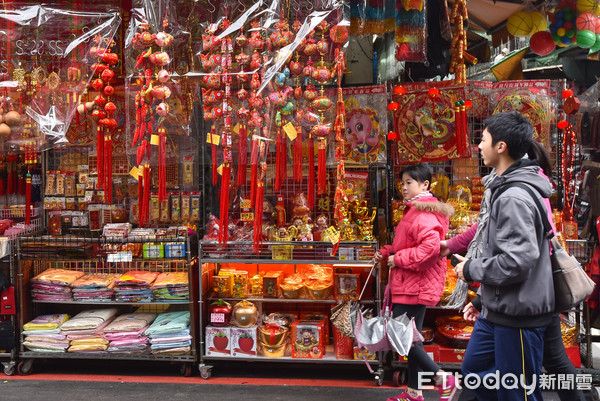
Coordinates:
[454,260]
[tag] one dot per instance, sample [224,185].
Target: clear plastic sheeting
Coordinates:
[46,64]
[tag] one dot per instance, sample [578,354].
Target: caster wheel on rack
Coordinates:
[24,367]
[10,370]
[378,377]
[399,377]
[205,372]
[186,370]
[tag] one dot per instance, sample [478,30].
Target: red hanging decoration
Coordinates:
[258,212]
[140,196]
[311,173]
[242,155]
[108,167]
[278,157]
[213,152]
[100,156]
[322,170]
[224,200]
[253,169]
[28,199]
[162,164]
[282,169]
[297,156]
[147,184]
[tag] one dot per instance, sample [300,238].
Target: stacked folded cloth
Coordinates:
[94,287]
[126,333]
[85,330]
[42,334]
[54,285]
[170,334]
[134,286]
[171,286]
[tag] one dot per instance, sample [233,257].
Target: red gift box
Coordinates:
[343,345]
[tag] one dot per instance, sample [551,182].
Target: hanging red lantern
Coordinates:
[562,124]
[567,93]
[392,106]
[399,90]
[434,92]
[392,136]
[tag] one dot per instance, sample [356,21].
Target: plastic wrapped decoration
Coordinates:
[264,70]
[49,65]
[411,30]
[160,101]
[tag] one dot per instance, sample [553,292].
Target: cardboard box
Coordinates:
[153,251]
[222,284]
[271,281]
[174,251]
[243,341]
[217,341]
[451,355]
[347,287]
[308,339]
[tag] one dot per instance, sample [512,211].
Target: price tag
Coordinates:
[154,140]
[247,216]
[220,170]
[246,204]
[333,235]
[213,139]
[135,172]
[290,130]
[217,318]
[119,257]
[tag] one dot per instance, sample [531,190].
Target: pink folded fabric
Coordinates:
[121,335]
[120,343]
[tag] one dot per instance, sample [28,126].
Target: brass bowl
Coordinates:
[290,291]
[279,337]
[273,352]
[319,292]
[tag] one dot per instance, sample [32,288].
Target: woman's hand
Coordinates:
[377,258]
[390,261]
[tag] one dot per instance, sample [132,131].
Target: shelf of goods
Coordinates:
[274,306]
[125,299]
[8,313]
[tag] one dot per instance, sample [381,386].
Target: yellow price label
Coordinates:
[154,140]
[290,131]
[213,139]
[220,170]
[236,129]
[247,216]
[333,235]
[134,172]
[245,204]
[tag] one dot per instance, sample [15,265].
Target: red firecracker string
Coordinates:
[242,155]
[311,173]
[260,193]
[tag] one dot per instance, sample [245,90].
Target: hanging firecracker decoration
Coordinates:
[461,126]
[459,17]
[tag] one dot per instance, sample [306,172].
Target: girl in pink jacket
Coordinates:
[417,274]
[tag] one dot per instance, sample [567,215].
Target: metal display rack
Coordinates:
[36,254]
[301,253]
[7,262]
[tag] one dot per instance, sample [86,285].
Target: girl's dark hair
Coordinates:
[538,152]
[418,172]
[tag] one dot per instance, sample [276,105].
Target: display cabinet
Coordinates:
[37,255]
[271,282]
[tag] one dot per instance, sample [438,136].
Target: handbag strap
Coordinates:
[541,207]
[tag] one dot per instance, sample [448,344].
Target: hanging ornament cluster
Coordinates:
[576,23]
[102,109]
[150,102]
[459,18]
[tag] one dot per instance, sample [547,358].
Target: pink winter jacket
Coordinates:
[419,274]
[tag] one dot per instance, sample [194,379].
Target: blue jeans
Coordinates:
[504,353]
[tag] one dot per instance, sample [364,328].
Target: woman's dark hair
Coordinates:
[418,172]
[538,152]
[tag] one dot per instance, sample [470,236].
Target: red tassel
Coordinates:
[147,185]
[465,130]
[242,156]
[311,173]
[322,185]
[297,156]
[28,199]
[162,167]
[9,177]
[140,196]
[224,200]
[21,185]
[213,150]
[253,170]
[278,155]
[108,148]
[100,157]
[2,185]
[258,212]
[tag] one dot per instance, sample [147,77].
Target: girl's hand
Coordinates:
[390,261]
[377,258]
[444,250]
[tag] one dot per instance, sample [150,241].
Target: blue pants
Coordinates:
[503,353]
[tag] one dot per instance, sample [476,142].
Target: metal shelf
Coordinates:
[328,358]
[108,355]
[285,300]
[366,263]
[113,302]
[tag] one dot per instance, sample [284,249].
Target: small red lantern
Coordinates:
[399,90]
[434,92]
[562,124]
[392,106]
[567,93]
[392,136]
[468,104]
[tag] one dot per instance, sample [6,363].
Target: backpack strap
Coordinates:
[541,207]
